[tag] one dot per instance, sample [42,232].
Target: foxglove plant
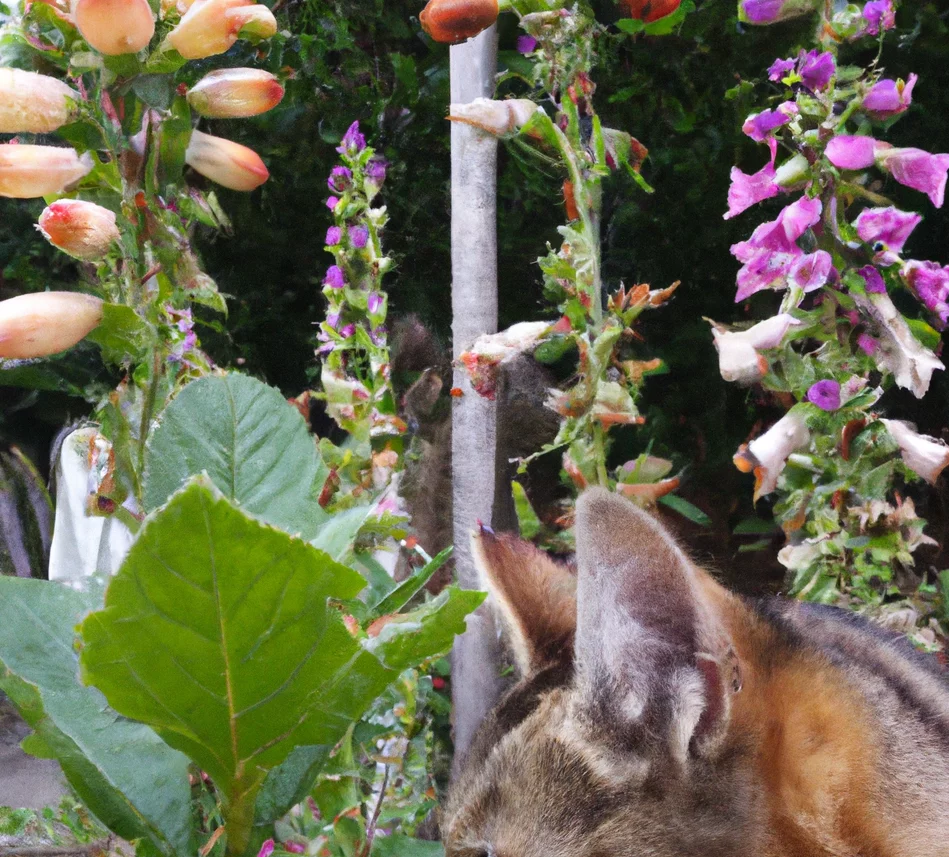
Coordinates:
[835,253]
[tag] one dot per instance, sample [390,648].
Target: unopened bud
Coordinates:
[115,26]
[453,21]
[793,173]
[81,229]
[31,171]
[232,93]
[33,103]
[44,323]
[252,22]
[205,30]
[223,161]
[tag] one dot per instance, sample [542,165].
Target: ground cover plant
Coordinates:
[252,655]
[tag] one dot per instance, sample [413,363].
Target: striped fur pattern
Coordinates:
[658,715]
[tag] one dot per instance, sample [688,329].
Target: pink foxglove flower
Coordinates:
[747,190]
[886,230]
[929,281]
[353,141]
[780,68]
[771,11]
[924,455]
[888,97]
[852,153]
[766,455]
[878,15]
[812,271]
[917,169]
[758,126]
[816,69]
[768,255]
[873,280]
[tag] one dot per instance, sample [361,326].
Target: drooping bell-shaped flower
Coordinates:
[917,169]
[929,281]
[766,455]
[772,11]
[44,323]
[494,117]
[205,30]
[816,68]
[878,15]
[223,161]
[234,93]
[33,103]
[252,22]
[115,27]
[80,228]
[888,97]
[747,190]
[886,230]
[927,456]
[848,152]
[31,171]
[353,141]
[738,357]
[453,21]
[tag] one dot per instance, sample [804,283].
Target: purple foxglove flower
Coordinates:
[878,15]
[376,171]
[347,331]
[340,180]
[326,348]
[334,277]
[526,44]
[332,320]
[772,248]
[852,153]
[331,203]
[917,169]
[358,236]
[867,344]
[812,271]
[825,394]
[873,279]
[888,97]
[746,190]
[378,335]
[333,236]
[780,68]
[374,302]
[353,142]
[886,229]
[816,69]
[770,11]
[930,283]
[759,126]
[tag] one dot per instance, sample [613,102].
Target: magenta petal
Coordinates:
[825,394]
[929,281]
[888,97]
[816,69]
[780,68]
[746,190]
[812,271]
[852,153]
[760,125]
[888,226]
[877,15]
[873,279]
[919,170]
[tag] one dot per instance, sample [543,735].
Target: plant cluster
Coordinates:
[856,315]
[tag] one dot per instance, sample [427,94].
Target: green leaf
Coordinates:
[216,631]
[399,845]
[409,588]
[664,26]
[754,527]
[527,521]
[156,90]
[254,446]
[123,335]
[926,334]
[686,509]
[130,779]
[337,535]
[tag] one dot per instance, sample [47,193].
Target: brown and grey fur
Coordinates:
[658,715]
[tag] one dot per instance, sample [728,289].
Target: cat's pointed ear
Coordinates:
[652,655]
[535,596]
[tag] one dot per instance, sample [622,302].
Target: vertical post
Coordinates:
[474,301]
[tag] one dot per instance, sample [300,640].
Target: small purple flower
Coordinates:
[825,394]
[526,44]
[759,126]
[353,142]
[816,68]
[334,277]
[326,348]
[332,202]
[348,331]
[266,849]
[333,236]
[812,271]
[332,320]
[867,344]
[747,190]
[376,171]
[770,11]
[929,281]
[374,302]
[852,153]
[888,97]
[887,230]
[358,236]
[917,169]
[873,279]
[780,68]
[878,15]
[378,335]
[340,180]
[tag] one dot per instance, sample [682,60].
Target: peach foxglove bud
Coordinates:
[925,455]
[81,229]
[453,21]
[115,27]
[223,161]
[46,323]
[33,103]
[205,30]
[31,171]
[494,117]
[252,22]
[767,454]
[233,93]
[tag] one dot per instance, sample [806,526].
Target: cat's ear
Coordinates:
[652,655]
[535,596]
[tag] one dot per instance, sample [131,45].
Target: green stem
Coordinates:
[599,445]
[148,408]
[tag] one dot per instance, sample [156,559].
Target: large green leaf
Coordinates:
[128,777]
[249,440]
[217,632]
